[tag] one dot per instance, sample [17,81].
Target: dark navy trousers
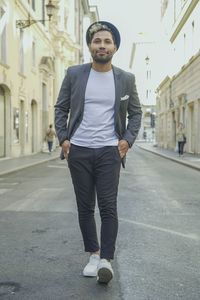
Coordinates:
[181,147]
[95,175]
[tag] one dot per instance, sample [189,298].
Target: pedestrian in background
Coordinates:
[181,138]
[50,135]
[95,139]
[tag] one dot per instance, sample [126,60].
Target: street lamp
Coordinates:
[147,59]
[134,50]
[26,23]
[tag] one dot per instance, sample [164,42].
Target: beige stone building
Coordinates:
[178,97]
[33,59]
[179,101]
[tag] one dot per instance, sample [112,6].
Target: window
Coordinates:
[21,52]
[44,109]
[33,54]
[193,36]
[3,37]
[2,122]
[16,125]
[33,4]
[43,11]
[26,126]
[184,45]
[44,97]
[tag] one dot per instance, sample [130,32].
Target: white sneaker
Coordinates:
[105,272]
[90,269]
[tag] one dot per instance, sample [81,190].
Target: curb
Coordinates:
[27,166]
[182,162]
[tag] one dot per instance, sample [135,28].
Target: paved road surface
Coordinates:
[158,247]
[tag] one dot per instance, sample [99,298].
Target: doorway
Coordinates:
[191,129]
[34,125]
[198,128]
[22,127]
[2,123]
[173,130]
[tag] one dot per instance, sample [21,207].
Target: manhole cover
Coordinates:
[9,287]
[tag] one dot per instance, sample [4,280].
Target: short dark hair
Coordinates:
[100,26]
[96,28]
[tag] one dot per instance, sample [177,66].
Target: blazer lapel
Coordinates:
[83,82]
[118,88]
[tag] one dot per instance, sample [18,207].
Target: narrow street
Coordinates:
[157,256]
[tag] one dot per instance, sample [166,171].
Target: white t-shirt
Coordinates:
[97,127]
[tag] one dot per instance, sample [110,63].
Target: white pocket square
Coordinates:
[125,97]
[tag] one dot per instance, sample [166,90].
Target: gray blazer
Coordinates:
[70,104]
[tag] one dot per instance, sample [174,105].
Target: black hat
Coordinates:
[103,25]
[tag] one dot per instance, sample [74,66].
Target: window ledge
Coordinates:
[22,75]
[4,65]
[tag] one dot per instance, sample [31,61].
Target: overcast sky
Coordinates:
[137,21]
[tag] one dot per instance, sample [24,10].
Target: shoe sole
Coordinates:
[104,275]
[90,274]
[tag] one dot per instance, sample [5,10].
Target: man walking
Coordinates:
[50,134]
[95,139]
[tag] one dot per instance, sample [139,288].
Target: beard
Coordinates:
[102,59]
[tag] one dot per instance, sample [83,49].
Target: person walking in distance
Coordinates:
[50,134]
[181,138]
[104,121]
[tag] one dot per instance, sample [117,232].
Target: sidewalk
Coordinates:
[9,165]
[189,160]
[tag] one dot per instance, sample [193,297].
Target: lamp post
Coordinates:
[27,23]
[147,59]
[133,50]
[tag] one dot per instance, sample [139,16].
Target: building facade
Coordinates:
[33,61]
[142,61]
[178,95]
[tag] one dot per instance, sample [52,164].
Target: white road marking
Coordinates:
[188,236]
[9,183]
[57,167]
[35,201]
[3,191]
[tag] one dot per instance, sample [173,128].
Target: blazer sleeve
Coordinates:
[134,113]
[62,108]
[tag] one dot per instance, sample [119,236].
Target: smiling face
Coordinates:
[102,47]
